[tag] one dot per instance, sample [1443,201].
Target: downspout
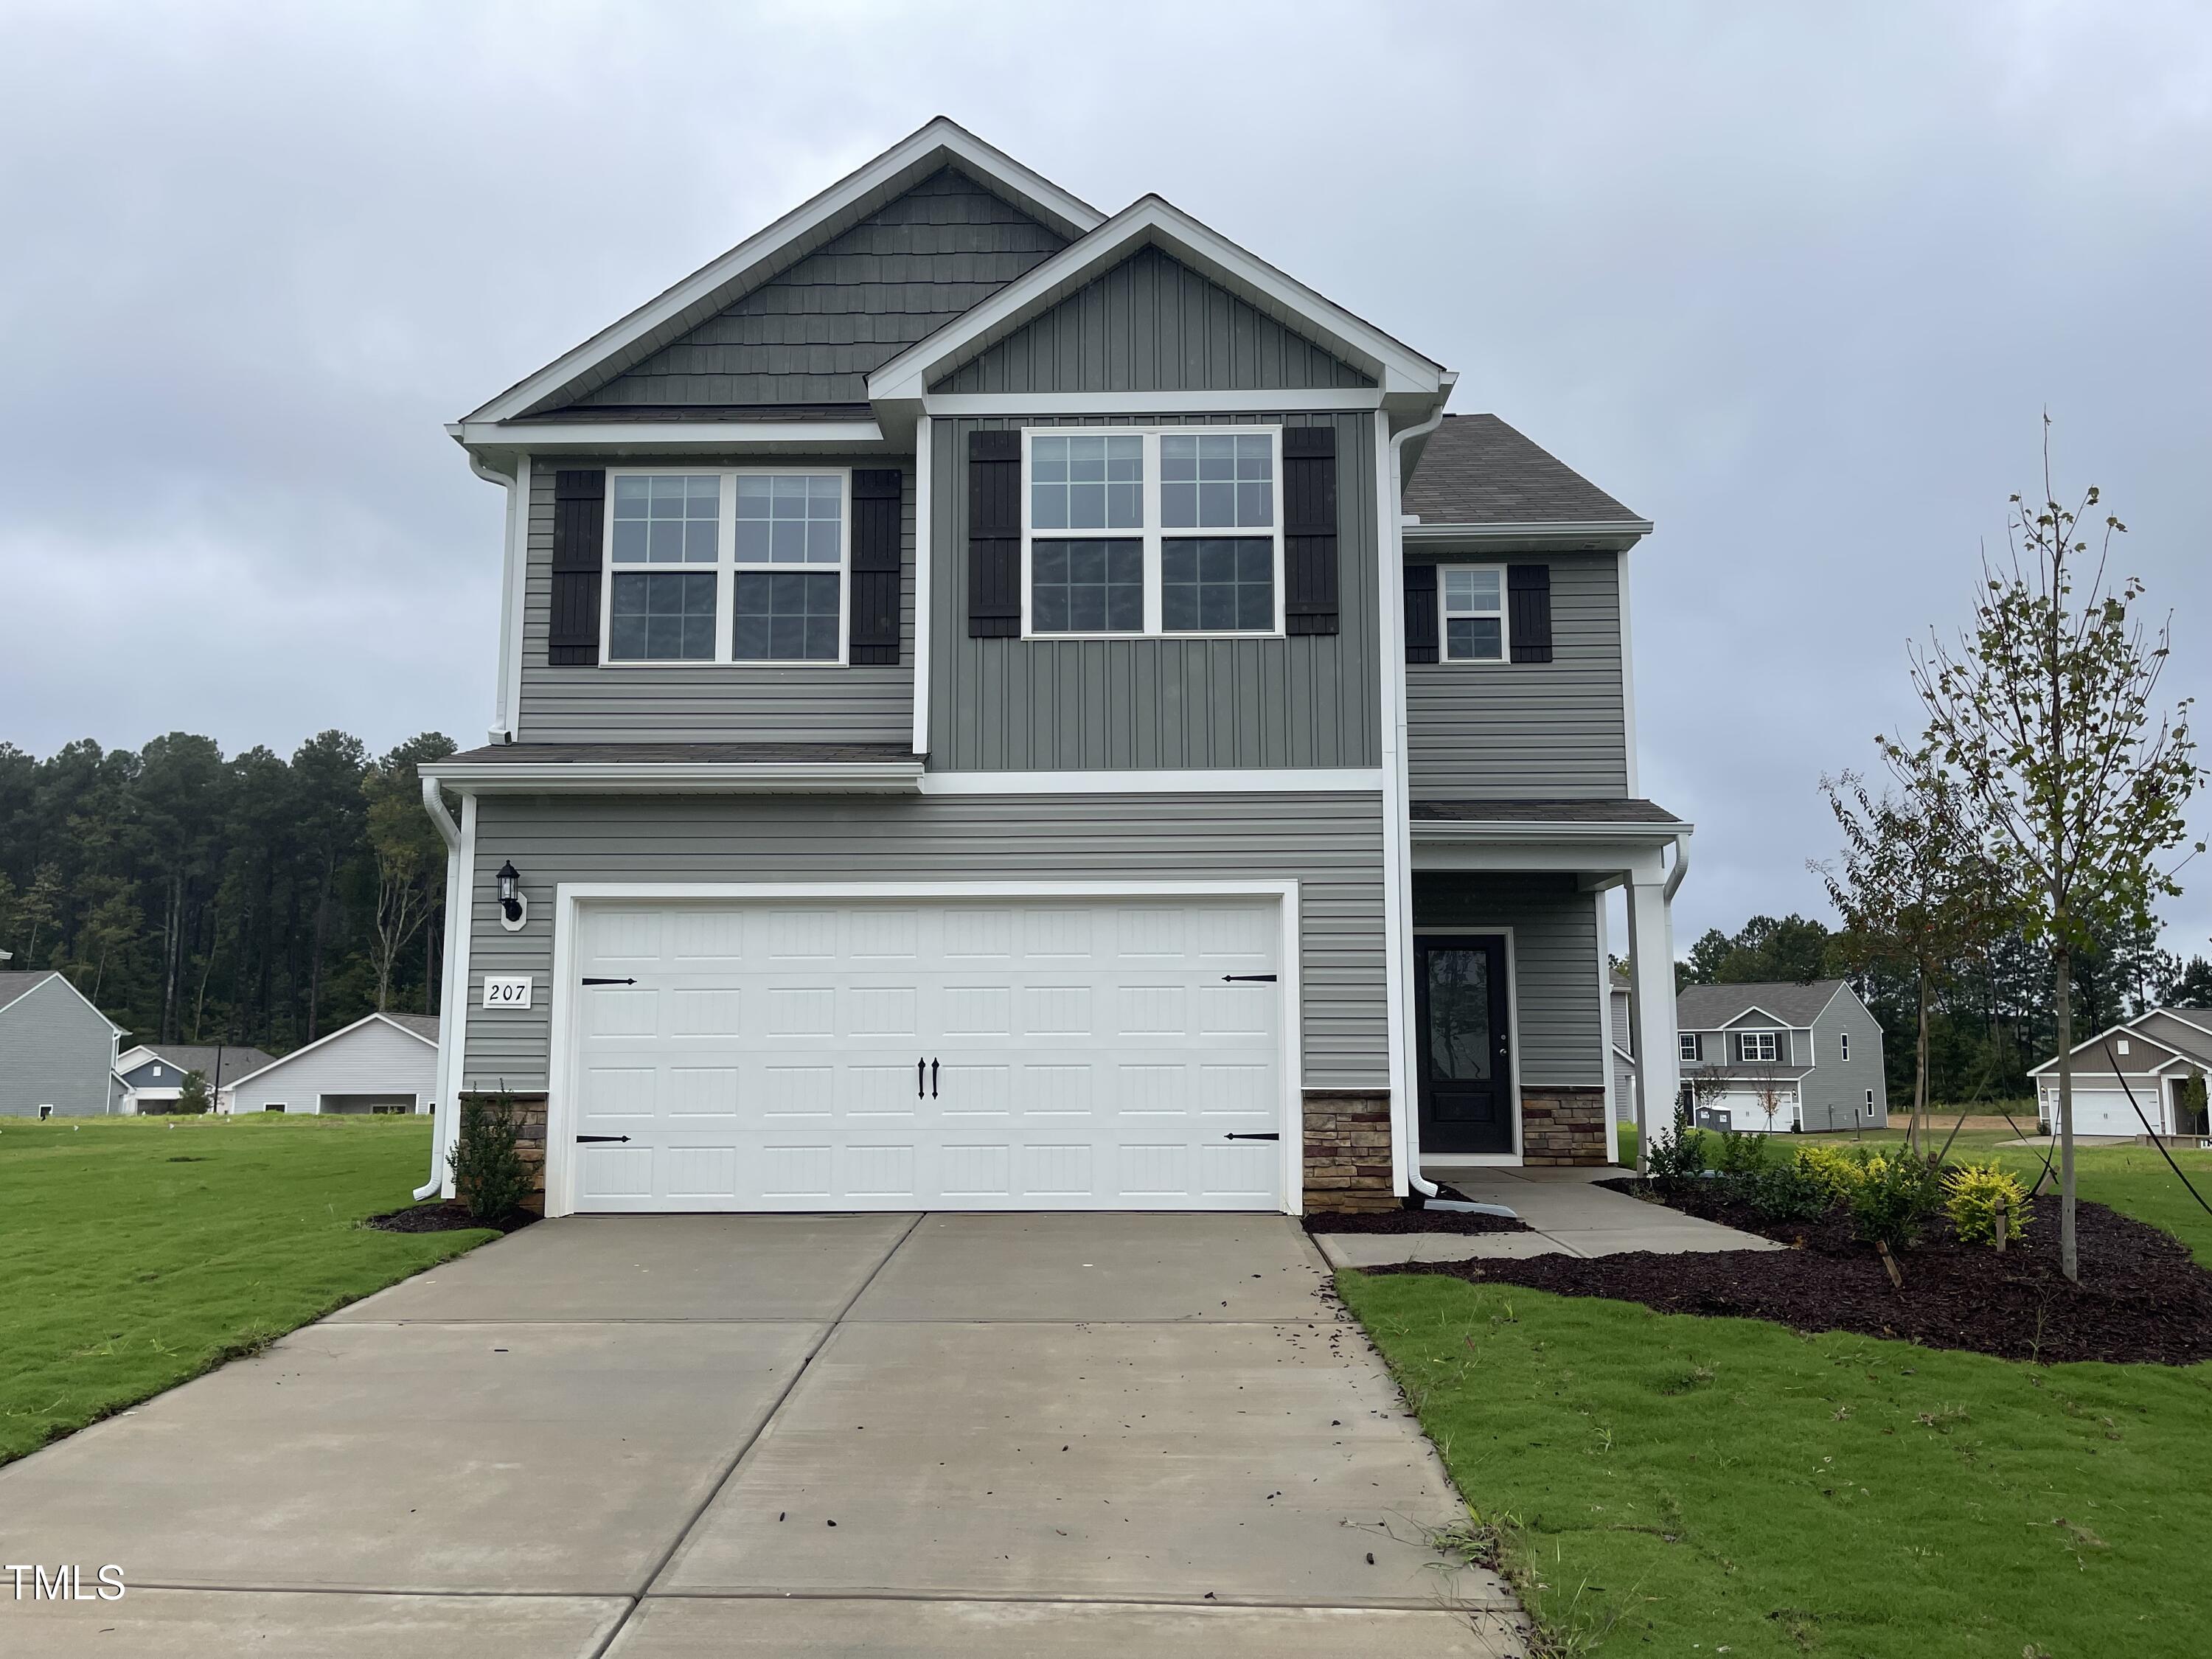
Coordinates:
[513,568]
[1398,835]
[433,803]
[1681,868]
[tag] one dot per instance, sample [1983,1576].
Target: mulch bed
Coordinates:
[447,1215]
[2142,1298]
[1414,1221]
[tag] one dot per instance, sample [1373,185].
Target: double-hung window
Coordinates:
[1756,1048]
[1174,532]
[1688,1041]
[1471,601]
[728,565]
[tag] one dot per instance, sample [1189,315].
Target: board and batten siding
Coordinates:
[55,1050]
[1548,729]
[709,702]
[372,1058]
[1091,705]
[1151,323]
[1561,1032]
[1331,844]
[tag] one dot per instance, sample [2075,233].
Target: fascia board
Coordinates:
[662,437]
[1154,222]
[648,778]
[1473,829]
[760,256]
[1594,535]
[2097,1043]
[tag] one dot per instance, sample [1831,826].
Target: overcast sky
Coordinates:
[1796,287]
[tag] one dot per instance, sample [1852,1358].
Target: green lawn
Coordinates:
[1668,1485]
[136,1253]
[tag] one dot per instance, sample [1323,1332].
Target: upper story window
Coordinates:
[1136,533]
[1755,1048]
[730,565]
[1689,1041]
[1843,1045]
[1473,601]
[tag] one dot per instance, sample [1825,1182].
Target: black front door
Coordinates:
[1466,1081]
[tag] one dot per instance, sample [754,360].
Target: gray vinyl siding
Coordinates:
[1151,323]
[1835,1086]
[1330,843]
[1560,1031]
[1088,705]
[373,1059]
[55,1050]
[1553,729]
[813,334]
[709,702]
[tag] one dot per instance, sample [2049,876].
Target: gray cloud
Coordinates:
[1798,287]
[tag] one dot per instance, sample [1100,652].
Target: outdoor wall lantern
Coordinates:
[514,909]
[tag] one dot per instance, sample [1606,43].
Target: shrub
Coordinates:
[1741,1154]
[488,1174]
[1677,1156]
[1836,1169]
[1896,1193]
[193,1099]
[1790,1191]
[1971,1195]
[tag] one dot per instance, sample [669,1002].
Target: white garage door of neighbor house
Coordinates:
[2106,1111]
[887,1056]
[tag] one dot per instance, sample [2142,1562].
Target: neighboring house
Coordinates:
[154,1074]
[1782,1056]
[56,1050]
[1005,705]
[380,1063]
[1622,1027]
[2153,1056]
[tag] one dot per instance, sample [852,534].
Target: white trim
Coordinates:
[1152,222]
[1627,678]
[1487,929]
[665,437]
[2126,1028]
[286,1060]
[923,495]
[1046,405]
[1152,532]
[679,777]
[1348,780]
[569,896]
[1445,614]
[461,906]
[1658,835]
[56,976]
[1559,535]
[414,1097]
[1605,1023]
[1746,1012]
[755,260]
[507,689]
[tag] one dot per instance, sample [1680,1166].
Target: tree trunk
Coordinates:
[1918,1138]
[2062,975]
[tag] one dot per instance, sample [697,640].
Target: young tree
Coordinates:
[192,1097]
[1911,887]
[2042,716]
[410,858]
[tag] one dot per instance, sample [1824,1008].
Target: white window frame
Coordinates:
[1686,1047]
[1843,1047]
[1152,532]
[727,567]
[1769,1040]
[1445,614]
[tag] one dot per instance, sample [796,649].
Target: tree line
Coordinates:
[254,900]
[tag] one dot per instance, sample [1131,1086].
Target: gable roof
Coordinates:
[1476,469]
[813,224]
[1152,221]
[423,1028]
[2192,1042]
[16,983]
[237,1059]
[1710,1007]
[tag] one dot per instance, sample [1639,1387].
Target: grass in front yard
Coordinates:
[136,1254]
[1679,1486]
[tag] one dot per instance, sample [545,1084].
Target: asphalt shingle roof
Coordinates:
[200,1057]
[1477,470]
[422,1024]
[1709,1007]
[17,982]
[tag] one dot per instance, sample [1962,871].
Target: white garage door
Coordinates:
[886,1056]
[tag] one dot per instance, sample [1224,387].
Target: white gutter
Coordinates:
[449,1033]
[1681,866]
[1550,532]
[679,777]
[507,693]
[1397,825]
[699,437]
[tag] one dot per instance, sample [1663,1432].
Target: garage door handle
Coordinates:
[1247,978]
[590,1138]
[920,1077]
[932,1079]
[1270,1135]
[609,982]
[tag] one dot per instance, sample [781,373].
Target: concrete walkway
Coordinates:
[649,1437]
[1568,1213]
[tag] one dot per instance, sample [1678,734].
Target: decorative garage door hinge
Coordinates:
[599,1138]
[1271,1135]
[1247,978]
[589,981]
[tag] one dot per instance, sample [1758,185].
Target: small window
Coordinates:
[1689,1040]
[276,1107]
[1869,1100]
[1756,1048]
[45,1112]
[155,1071]
[1843,1045]
[1474,601]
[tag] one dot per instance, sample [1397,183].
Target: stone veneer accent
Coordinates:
[530,1142]
[1563,1126]
[1347,1151]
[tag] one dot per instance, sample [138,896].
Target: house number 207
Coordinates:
[507,991]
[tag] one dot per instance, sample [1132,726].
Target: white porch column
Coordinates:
[1652,1003]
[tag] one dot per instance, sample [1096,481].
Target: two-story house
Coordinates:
[1004,705]
[1782,1057]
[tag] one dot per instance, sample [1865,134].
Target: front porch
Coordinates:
[1512,1062]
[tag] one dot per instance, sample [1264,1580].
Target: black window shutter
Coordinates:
[878,496]
[1420,613]
[580,507]
[1310,601]
[1528,610]
[994,535]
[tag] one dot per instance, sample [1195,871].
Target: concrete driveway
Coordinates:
[693,1434]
